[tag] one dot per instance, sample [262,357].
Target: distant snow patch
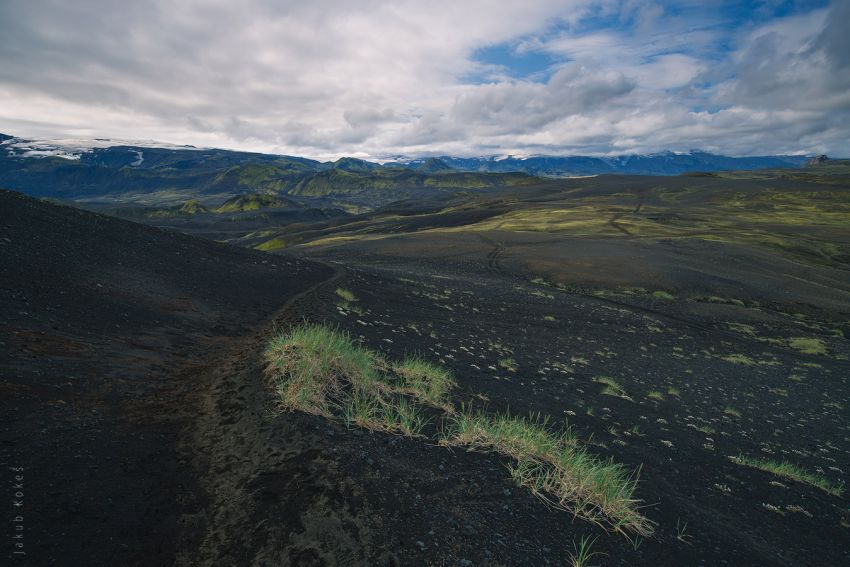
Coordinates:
[73,148]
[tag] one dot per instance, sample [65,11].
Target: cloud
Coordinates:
[379,78]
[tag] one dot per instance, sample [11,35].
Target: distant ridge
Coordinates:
[146,154]
[433,165]
[664,163]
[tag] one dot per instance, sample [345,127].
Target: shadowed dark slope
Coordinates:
[100,322]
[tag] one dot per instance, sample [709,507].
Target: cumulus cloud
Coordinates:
[380,78]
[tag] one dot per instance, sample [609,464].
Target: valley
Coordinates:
[690,330]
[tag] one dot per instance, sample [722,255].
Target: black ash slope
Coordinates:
[101,323]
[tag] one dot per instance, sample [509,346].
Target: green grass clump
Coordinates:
[555,468]
[320,370]
[793,472]
[345,294]
[655,395]
[612,387]
[807,345]
[397,415]
[739,359]
[313,364]
[362,410]
[582,552]
[663,295]
[729,410]
[316,369]
[715,299]
[273,244]
[428,382]
[348,301]
[508,364]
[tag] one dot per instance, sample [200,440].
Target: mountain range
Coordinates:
[664,163]
[153,172]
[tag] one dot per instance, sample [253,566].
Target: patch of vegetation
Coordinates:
[188,208]
[807,345]
[322,371]
[729,410]
[655,395]
[739,359]
[273,244]
[612,387]
[401,416]
[663,295]
[428,383]
[252,202]
[742,328]
[543,294]
[554,467]
[791,471]
[721,300]
[313,367]
[681,529]
[508,364]
[582,554]
[193,207]
[345,294]
[348,301]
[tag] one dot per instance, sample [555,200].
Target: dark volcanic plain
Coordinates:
[139,409]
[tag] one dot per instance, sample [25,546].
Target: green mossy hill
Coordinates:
[196,173]
[829,172]
[340,182]
[352,176]
[190,207]
[258,177]
[354,164]
[254,202]
[434,165]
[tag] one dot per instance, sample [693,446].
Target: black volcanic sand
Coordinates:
[104,327]
[169,452]
[466,308]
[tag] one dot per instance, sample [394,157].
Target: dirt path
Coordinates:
[493,256]
[234,444]
[106,331]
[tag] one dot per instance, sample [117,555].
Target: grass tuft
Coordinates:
[582,552]
[791,471]
[312,364]
[345,294]
[427,382]
[554,467]
[729,410]
[612,387]
[807,345]
[320,370]
[739,359]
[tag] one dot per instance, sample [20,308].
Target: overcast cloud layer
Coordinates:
[382,78]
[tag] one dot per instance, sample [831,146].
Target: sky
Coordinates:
[378,79]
